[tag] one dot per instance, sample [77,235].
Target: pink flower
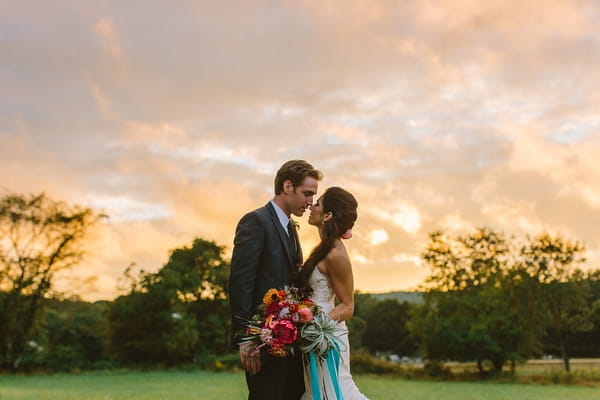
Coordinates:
[266,336]
[305,314]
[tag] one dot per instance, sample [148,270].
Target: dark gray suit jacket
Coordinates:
[263,258]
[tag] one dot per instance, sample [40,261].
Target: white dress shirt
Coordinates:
[283,219]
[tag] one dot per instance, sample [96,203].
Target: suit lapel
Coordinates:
[283,236]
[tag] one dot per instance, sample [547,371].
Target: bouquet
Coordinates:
[281,317]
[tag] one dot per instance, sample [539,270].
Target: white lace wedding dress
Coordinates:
[323,296]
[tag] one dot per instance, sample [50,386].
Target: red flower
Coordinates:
[285,332]
[273,308]
[293,308]
[282,294]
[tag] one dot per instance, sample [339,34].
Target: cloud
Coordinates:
[105,29]
[101,101]
[436,115]
[378,236]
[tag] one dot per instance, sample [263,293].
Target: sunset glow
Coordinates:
[173,119]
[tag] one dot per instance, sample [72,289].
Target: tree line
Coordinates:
[488,298]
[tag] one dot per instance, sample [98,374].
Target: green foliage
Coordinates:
[41,237]
[75,334]
[386,328]
[555,264]
[491,300]
[356,331]
[480,305]
[176,314]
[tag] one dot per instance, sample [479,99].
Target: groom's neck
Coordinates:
[281,203]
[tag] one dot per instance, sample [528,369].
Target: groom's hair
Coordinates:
[295,171]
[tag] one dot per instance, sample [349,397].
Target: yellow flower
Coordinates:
[278,351]
[271,296]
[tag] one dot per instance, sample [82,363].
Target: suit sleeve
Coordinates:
[248,247]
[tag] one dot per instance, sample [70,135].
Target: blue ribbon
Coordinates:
[314,374]
[332,361]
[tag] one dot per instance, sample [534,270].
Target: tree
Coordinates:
[555,263]
[38,238]
[476,306]
[73,335]
[386,328]
[176,314]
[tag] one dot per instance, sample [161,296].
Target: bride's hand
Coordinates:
[250,357]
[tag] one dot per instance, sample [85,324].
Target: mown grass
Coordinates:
[196,385]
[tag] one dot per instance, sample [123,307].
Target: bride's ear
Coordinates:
[327,216]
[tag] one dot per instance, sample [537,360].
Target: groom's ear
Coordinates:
[288,186]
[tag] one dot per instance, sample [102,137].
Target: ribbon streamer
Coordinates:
[322,358]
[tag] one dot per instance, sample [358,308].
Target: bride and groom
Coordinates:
[267,254]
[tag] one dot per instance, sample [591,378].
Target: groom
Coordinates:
[266,255]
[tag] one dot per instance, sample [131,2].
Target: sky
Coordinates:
[173,117]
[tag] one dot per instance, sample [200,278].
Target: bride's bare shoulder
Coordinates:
[337,254]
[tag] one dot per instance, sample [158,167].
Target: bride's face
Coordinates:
[316,213]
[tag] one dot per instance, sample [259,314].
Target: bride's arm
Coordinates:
[339,271]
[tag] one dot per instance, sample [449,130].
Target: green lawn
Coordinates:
[225,386]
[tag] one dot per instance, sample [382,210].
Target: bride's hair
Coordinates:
[342,205]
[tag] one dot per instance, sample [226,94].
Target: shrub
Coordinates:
[364,363]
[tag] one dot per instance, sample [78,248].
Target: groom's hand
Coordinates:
[250,357]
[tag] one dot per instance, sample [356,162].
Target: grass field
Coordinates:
[198,385]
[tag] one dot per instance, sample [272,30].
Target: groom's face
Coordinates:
[300,198]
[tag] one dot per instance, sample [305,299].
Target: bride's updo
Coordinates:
[342,205]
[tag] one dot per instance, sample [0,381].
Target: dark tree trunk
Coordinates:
[498,364]
[563,352]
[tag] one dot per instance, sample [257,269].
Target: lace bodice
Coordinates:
[323,294]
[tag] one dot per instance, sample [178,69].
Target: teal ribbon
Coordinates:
[321,343]
[332,361]
[314,373]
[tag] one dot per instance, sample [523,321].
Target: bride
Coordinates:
[328,274]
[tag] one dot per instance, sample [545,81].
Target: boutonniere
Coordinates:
[296,224]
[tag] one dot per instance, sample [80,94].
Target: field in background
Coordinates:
[197,385]
[554,365]
[538,366]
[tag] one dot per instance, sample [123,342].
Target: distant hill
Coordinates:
[409,297]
